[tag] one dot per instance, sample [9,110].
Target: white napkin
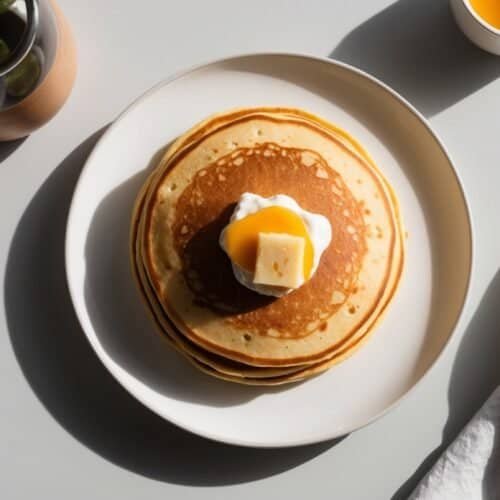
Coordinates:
[470,468]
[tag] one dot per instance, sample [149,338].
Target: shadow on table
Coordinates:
[415,47]
[73,385]
[9,147]
[475,375]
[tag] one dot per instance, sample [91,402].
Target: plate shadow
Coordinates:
[69,380]
[9,147]
[417,48]
[475,375]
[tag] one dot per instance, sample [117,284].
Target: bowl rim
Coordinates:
[479,20]
[219,436]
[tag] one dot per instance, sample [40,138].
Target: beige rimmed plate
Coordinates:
[413,334]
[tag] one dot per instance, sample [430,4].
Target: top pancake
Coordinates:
[270,152]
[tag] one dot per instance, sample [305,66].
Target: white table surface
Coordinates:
[67,430]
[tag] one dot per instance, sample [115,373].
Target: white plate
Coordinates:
[414,332]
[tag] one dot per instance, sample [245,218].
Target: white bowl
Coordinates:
[475,28]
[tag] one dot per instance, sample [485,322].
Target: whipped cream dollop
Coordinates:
[318,229]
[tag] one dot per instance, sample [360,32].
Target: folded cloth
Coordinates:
[470,467]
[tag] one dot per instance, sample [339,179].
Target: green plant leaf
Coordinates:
[22,79]
[5,4]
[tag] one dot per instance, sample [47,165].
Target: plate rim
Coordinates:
[219,437]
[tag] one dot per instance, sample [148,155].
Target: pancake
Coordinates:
[356,147]
[269,152]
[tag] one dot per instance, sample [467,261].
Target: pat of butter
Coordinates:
[280,260]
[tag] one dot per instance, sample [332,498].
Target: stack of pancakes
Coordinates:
[187,281]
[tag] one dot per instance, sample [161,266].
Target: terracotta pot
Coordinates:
[55,84]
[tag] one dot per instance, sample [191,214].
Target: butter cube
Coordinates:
[280,260]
